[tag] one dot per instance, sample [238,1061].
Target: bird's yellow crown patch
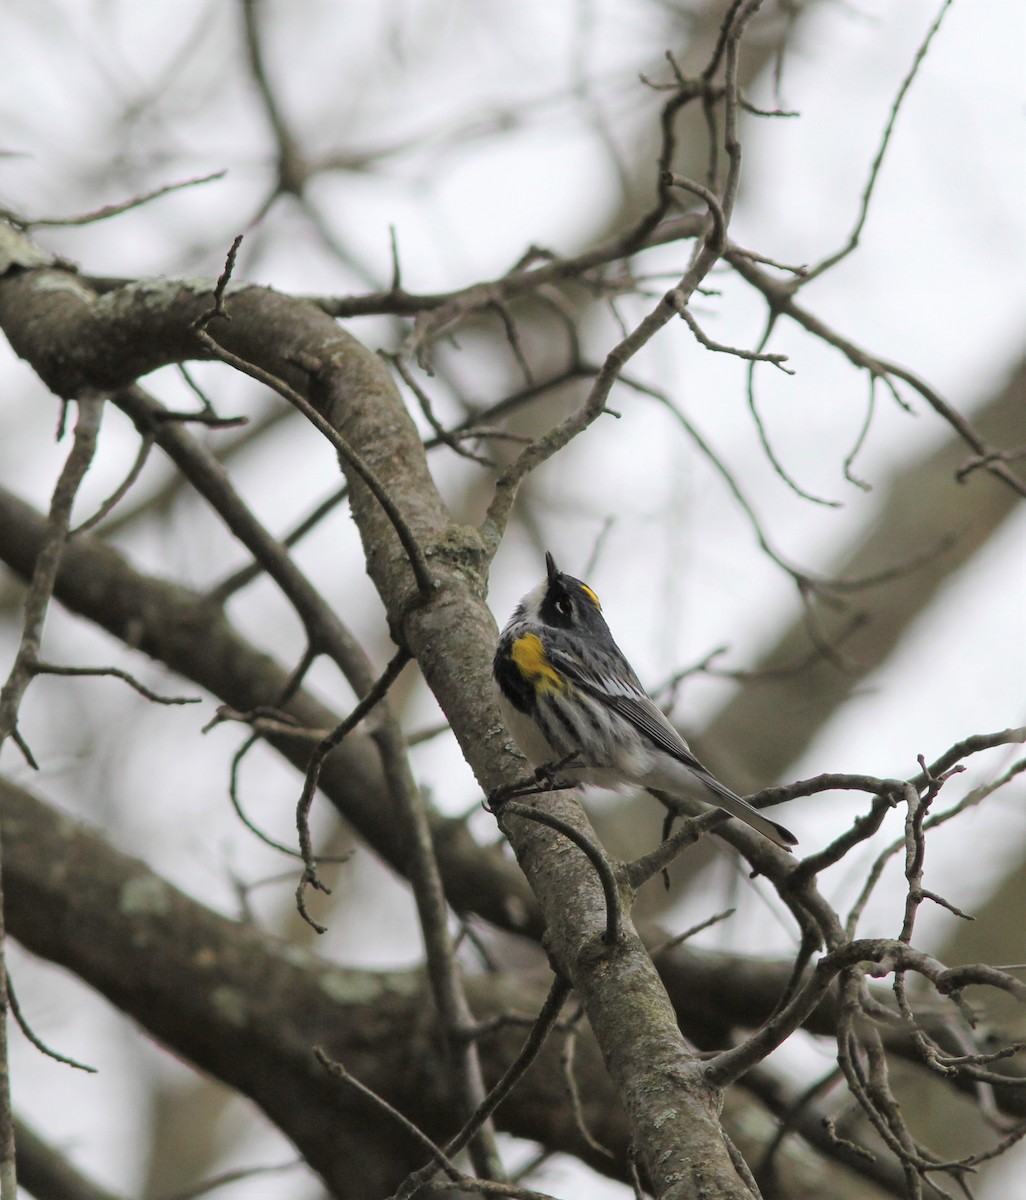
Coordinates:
[532,662]
[591,596]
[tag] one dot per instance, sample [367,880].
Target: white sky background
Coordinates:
[936,285]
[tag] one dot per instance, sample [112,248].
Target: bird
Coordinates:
[578,711]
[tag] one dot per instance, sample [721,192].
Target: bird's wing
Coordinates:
[625,695]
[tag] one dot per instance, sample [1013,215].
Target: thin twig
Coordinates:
[782,302]
[532,457]
[760,426]
[145,446]
[236,803]
[513,337]
[337,1070]
[540,1029]
[222,283]
[711,201]
[44,574]
[874,171]
[789,1119]
[679,939]
[971,745]
[293,169]
[443,970]
[114,210]
[414,552]
[225,1178]
[40,1045]
[426,407]
[8,1177]
[566,1060]
[266,721]
[324,629]
[44,668]
[233,583]
[863,433]
[776,360]
[799,576]
[595,855]
[642,869]
[327,744]
[886,956]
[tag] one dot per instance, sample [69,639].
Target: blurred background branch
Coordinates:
[483,186]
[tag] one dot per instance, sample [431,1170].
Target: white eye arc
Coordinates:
[563,606]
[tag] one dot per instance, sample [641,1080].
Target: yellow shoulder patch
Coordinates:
[532,662]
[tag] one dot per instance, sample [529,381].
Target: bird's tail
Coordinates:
[730,802]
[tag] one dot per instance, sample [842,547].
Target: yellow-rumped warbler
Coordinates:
[566,692]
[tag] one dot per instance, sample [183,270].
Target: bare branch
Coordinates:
[443,435]
[239,579]
[540,1029]
[8,1174]
[414,551]
[885,956]
[330,742]
[874,171]
[114,210]
[338,1071]
[43,668]
[567,1059]
[145,446]
[781,300]
[777,360]
[324,629]
[970,745]
[44,575]
[226,1178]
[293,170]
[555,439]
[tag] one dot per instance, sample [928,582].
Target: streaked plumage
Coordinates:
[565,688]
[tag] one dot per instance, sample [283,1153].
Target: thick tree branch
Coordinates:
[193,637]
[75,339]
[47,1175]
[249,1009]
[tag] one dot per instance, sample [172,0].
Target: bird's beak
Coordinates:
[551,569]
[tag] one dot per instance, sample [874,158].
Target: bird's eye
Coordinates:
[563,606]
